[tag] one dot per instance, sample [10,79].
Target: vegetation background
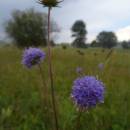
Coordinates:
[20,107]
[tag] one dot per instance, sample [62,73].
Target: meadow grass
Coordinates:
[20,106]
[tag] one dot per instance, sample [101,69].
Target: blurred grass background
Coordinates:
[20,107]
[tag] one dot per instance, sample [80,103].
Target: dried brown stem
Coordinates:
[51,73]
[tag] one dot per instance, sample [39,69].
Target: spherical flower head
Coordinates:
[101,66]
[49,3]
[32,57]
[87,92]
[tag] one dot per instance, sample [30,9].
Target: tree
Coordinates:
[29,28]
[79,32]
[126,44]
[94,43]
[106,39]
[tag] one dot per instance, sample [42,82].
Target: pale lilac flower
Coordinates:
[101,66]
[79,70]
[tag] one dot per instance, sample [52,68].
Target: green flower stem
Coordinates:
[50,72]
[44,98]
[77,127]
[45,93]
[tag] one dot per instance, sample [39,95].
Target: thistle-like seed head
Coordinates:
[49,3]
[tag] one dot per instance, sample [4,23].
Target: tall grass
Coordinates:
[20,106]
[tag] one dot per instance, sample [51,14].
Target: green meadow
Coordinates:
[20,104]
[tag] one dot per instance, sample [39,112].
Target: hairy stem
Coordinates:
[51,73]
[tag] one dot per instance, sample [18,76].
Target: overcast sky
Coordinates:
[99,15]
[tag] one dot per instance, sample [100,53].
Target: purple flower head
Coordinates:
[79,70]
[87,92]
[101,66]
[32,56]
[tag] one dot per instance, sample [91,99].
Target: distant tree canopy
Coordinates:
[125,44]
[94,44]
[106,39]
[79,32]
[29,28]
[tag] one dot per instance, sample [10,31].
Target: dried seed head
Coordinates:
[49,3]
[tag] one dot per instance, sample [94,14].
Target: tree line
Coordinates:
[105,39]
[29,28]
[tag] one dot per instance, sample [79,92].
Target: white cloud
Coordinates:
[123,33]
[64,34]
